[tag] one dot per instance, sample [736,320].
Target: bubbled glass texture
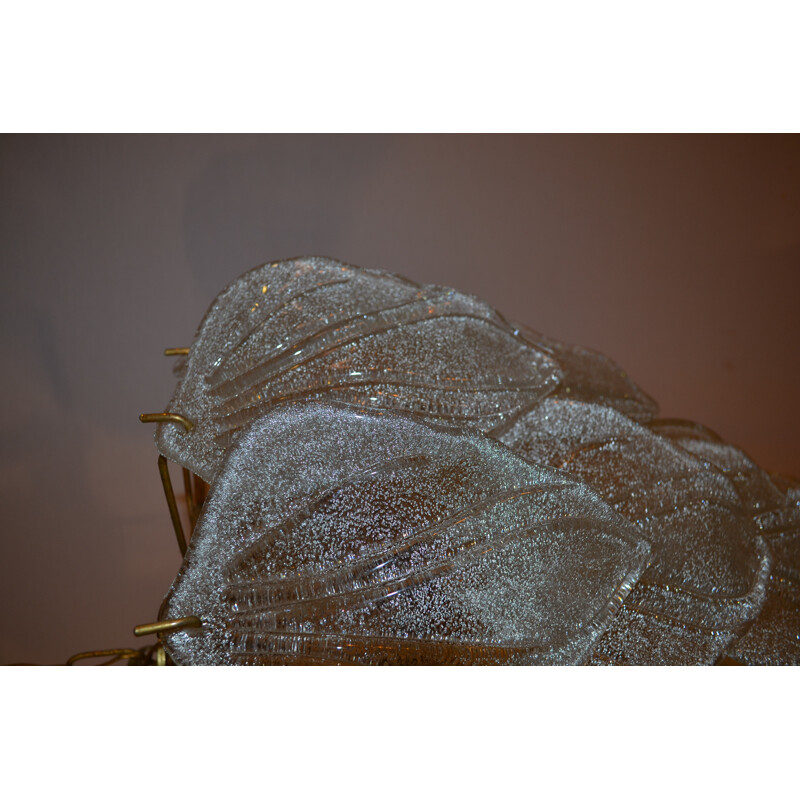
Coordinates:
[709,565]
[315,328]
[336,535]
[353,572]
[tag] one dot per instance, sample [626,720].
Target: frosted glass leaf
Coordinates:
[709,563]
[788,485]
[755,488]
[634,638]
[336,535]
[781,529]
[774,637]
[315,328]
[590,376]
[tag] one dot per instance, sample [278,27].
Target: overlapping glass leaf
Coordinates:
[773,637]
[722,579]
[315,328]
[709,564]
[338,535]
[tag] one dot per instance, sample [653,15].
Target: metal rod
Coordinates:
[200,491]
[167,625]
[176,351]
[120,652]
[166,482]
[167,417]
[191,506]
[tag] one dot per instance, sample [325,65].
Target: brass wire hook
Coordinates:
[167,417]
[195,494]
[167,625]
[191,501]
[192,494]
[166,482]
[117,654]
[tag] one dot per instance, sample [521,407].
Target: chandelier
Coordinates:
[382,472]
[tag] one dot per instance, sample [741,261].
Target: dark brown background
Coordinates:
[678,256]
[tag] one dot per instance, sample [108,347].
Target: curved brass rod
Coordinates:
[200,491]
[167,417]
[176,351]
[166,482]
[191,504]
[119,652]
[167,625]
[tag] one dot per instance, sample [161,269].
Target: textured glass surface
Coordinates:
[709,563]
[773,637]
[757,492]
[392,530]
[315,328]
[588,375]
[336,535]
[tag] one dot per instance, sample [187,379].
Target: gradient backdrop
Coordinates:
[678,256]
